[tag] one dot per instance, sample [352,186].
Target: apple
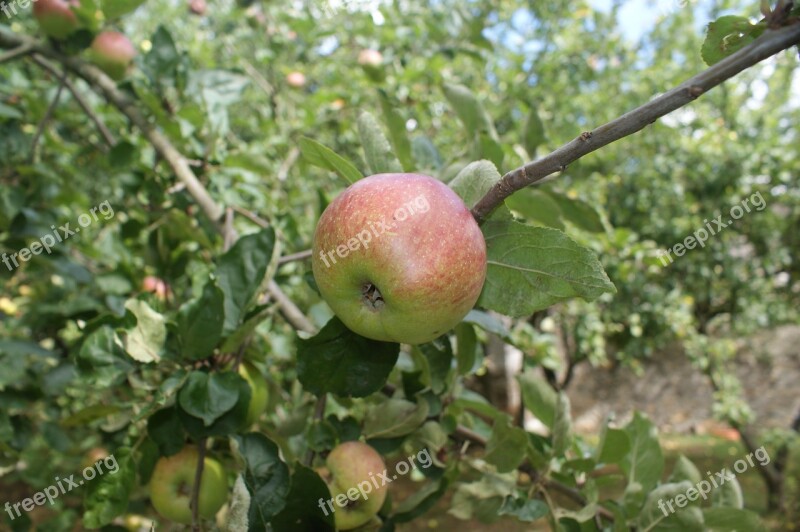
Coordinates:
[369,57]
[172,481]
[113,53]
[260,395]
[56,18]
[198,7]
[372,63]
[156,286]
[296,79]
[93,456]
[399,258]
[351,473]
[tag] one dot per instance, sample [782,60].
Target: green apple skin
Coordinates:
[349,464]
[409,283]
[258,385]
[113,53]
[171,486]
[55,17]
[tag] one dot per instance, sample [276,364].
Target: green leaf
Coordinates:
[266,477]
[323,157]
[205,407]
[301,512]
[533,135]
[393,418]
[466,348]
[241,272]
[506,447]
[685,469]
[102,359]
[562,426]
[725,36]
[729,493]
[422,500]
[531,268]
[200,323]
[474,181]
[209,396]
[377,149]
[145,341]
[397,132]
[645,462]
[107,495]
[577,212]
[117,8]
[538,397]
[534,204]
[164,428]
[341,362]
[726,519]
[614,445]
[468,108]
[488,323]
[438,362]
[656,516]
[163,58]
[526,510]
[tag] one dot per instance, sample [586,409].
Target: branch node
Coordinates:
[586,135]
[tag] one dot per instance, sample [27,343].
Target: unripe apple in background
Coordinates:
[399,258]
[55,17]
[355,467]
[156,286]
[296,79]
[372,63]
[113,53]
[172,481]
[259,388]
[198,7]
[369,57]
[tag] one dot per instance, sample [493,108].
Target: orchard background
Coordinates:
[201,176]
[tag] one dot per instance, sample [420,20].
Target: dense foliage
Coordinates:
[124,336]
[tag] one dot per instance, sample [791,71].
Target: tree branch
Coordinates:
[47,116]
[108,88]
[108,137]
[19,51]
[769,44]
[198,477]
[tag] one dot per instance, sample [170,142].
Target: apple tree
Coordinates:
[260,331]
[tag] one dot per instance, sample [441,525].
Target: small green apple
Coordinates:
[113,53]
[399,258]
[352,474]
[260,395]
[56,18]
[172,481]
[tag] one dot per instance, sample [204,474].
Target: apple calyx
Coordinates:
[372,297]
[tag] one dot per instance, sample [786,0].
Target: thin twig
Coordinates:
[253,217]
[198,477]
[293,315]
[46,118]
[301,255]
[769,44]
[19,51]
[319,413]
[229,232]
[108,137]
